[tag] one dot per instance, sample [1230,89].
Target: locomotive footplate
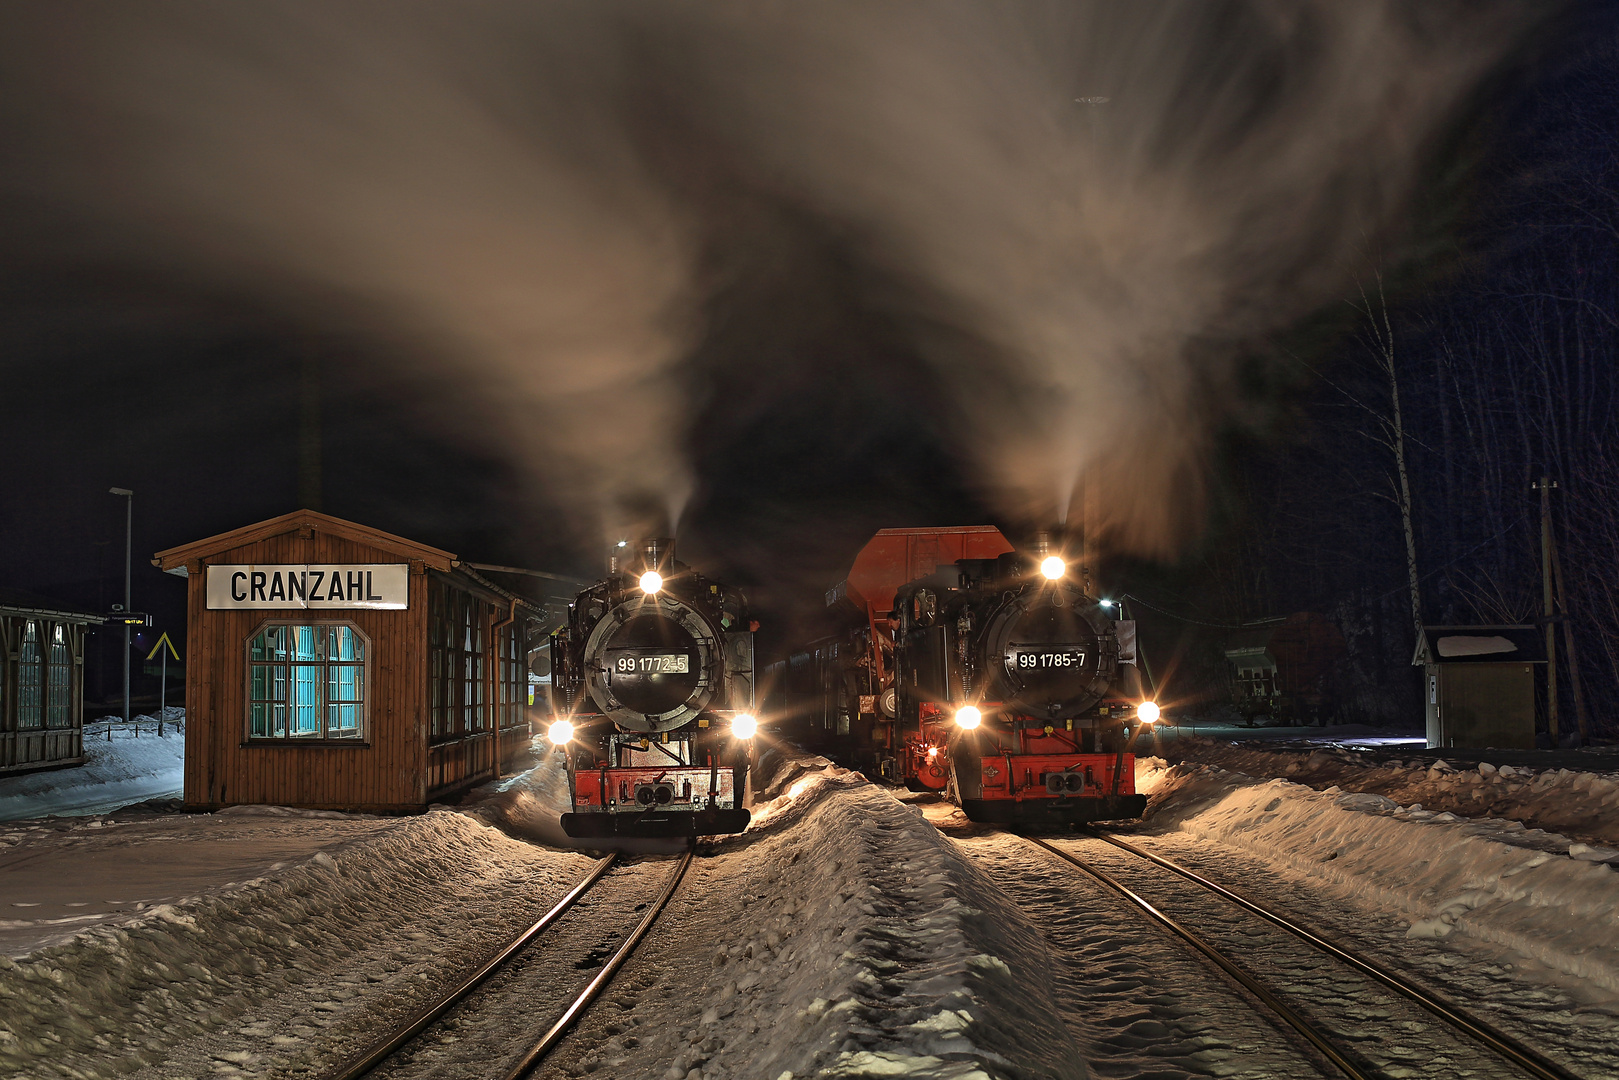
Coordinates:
[655,822]
[1059,811]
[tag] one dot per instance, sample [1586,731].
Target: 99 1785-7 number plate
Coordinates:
[1068,658]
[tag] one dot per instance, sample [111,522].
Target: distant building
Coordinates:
[335,666]
[1279,668]
[42,684]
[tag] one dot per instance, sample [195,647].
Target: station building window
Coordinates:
[457,704]
[30,679]
[510,676]
[307,682]
[59,680]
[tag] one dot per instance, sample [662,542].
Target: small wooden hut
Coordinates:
[335,666]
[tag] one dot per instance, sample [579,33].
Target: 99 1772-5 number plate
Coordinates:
[663,664]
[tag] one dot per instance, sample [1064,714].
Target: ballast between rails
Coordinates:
[582,1001]
[375,1056]
[366,1062]
[1531,1062]
[1309,1031]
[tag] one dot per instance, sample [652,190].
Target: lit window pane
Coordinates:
[306,641]
[306,699]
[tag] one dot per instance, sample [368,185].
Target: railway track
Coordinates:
[1331,1045]
[384,1051]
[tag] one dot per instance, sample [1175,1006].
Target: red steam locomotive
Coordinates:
[964,666]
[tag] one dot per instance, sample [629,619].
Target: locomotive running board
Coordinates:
[654,823]
[1036,811]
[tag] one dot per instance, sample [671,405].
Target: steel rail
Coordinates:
[1532,1062]
[1311,1033]
[370,1059]
[570,1016]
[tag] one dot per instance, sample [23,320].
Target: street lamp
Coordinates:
[129,544]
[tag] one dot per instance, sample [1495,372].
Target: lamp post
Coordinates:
[129,545]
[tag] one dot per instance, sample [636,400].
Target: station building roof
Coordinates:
[14,602]
[174,560]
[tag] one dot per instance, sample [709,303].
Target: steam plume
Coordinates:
[508,190]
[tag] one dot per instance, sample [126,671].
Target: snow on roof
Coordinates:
[1473,645]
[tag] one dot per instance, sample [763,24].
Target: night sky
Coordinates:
[565,273]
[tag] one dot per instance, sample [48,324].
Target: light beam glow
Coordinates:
[651,581]
[744,726]
[1147,712]
[1053,567]
[968,717]
[560,733]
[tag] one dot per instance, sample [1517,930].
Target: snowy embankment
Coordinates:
[869,946]
[268,973]
[1581,803]
[1492,879]
[135,765]
[841,936]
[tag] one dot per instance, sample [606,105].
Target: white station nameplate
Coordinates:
[336,585]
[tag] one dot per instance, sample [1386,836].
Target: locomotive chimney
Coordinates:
[658,553]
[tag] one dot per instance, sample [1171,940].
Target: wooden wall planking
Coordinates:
[222,769]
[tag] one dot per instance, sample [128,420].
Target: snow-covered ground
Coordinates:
[842,935]
[1532,900]
[136,764]
[1579,803]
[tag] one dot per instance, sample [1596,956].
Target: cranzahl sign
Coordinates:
[340,585]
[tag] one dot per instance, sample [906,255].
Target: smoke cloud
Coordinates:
[1073,214]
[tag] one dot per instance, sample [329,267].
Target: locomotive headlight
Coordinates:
[1053,567]
[968,717]
[651,581]
[1147,712]
[744,726]
[560,733]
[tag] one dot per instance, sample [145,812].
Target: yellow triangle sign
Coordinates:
[162,641]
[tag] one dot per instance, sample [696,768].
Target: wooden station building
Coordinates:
[41,683]
[334,666]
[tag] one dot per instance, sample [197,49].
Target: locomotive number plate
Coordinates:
[663,664]
[1027,661]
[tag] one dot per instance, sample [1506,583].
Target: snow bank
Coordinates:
[116,998]
[1536,892]
[130,768]
[1583,803]
[867,946]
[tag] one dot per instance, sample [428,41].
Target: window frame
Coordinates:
[459,693]
[34,710]
[56,698]
[362,732]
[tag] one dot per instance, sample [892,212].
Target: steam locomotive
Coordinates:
[964,666]
[652,684]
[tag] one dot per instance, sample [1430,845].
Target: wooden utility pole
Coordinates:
[1544,485]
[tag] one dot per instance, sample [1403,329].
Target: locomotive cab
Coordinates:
[653,684]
